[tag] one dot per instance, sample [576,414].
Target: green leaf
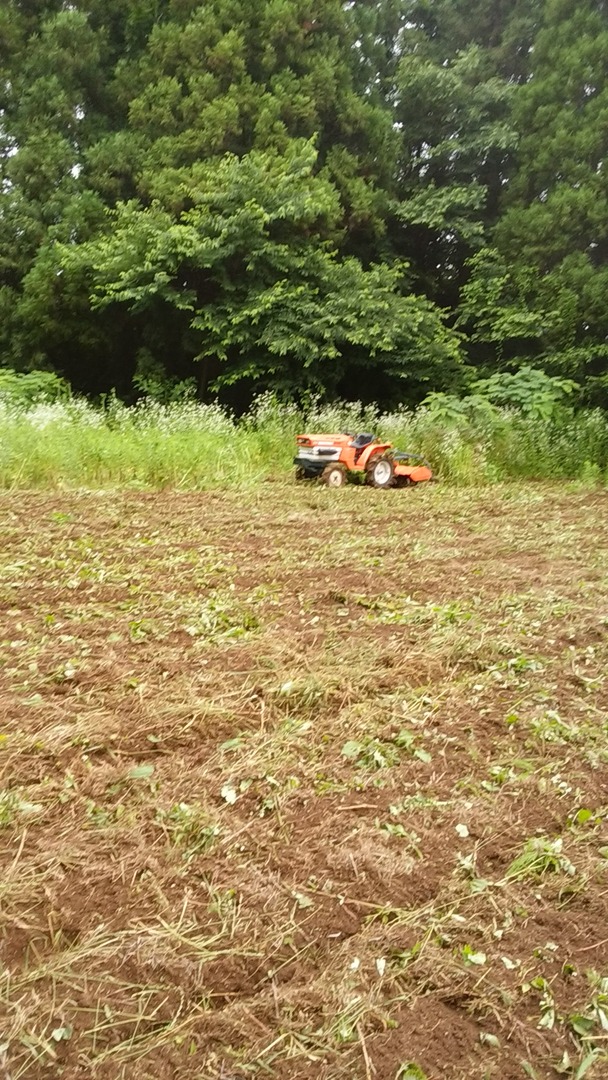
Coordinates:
[352,749]
[586,1064]
[472,956]
[303,901]
[405,739]
[140,772]
[530,1070]
[232,744]
[411,1071]
[564,1066]
[62,1034]
[581,1024]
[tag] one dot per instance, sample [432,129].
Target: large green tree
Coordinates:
[114,103]
[553,232]
[451,167]
[56,102]
[440,68]
[250,274]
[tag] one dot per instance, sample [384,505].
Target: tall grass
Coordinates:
[190,445]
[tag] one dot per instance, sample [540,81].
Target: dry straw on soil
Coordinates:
[304,784]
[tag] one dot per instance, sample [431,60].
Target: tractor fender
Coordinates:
[371,451]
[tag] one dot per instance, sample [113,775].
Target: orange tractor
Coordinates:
[330,459]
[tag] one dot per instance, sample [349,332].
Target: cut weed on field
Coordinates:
[301,783]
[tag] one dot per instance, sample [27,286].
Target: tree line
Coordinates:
[375,199]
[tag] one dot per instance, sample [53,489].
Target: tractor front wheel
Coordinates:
[333,476]
[380,472]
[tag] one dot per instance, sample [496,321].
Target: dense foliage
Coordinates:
[377,199]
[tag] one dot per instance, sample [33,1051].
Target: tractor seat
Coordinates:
[360,441]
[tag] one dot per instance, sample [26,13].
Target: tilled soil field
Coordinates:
[304,784]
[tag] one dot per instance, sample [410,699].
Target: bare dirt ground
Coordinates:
[301,783]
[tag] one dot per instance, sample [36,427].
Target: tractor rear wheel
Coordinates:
[380,472]
[333,476]
[301,473]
